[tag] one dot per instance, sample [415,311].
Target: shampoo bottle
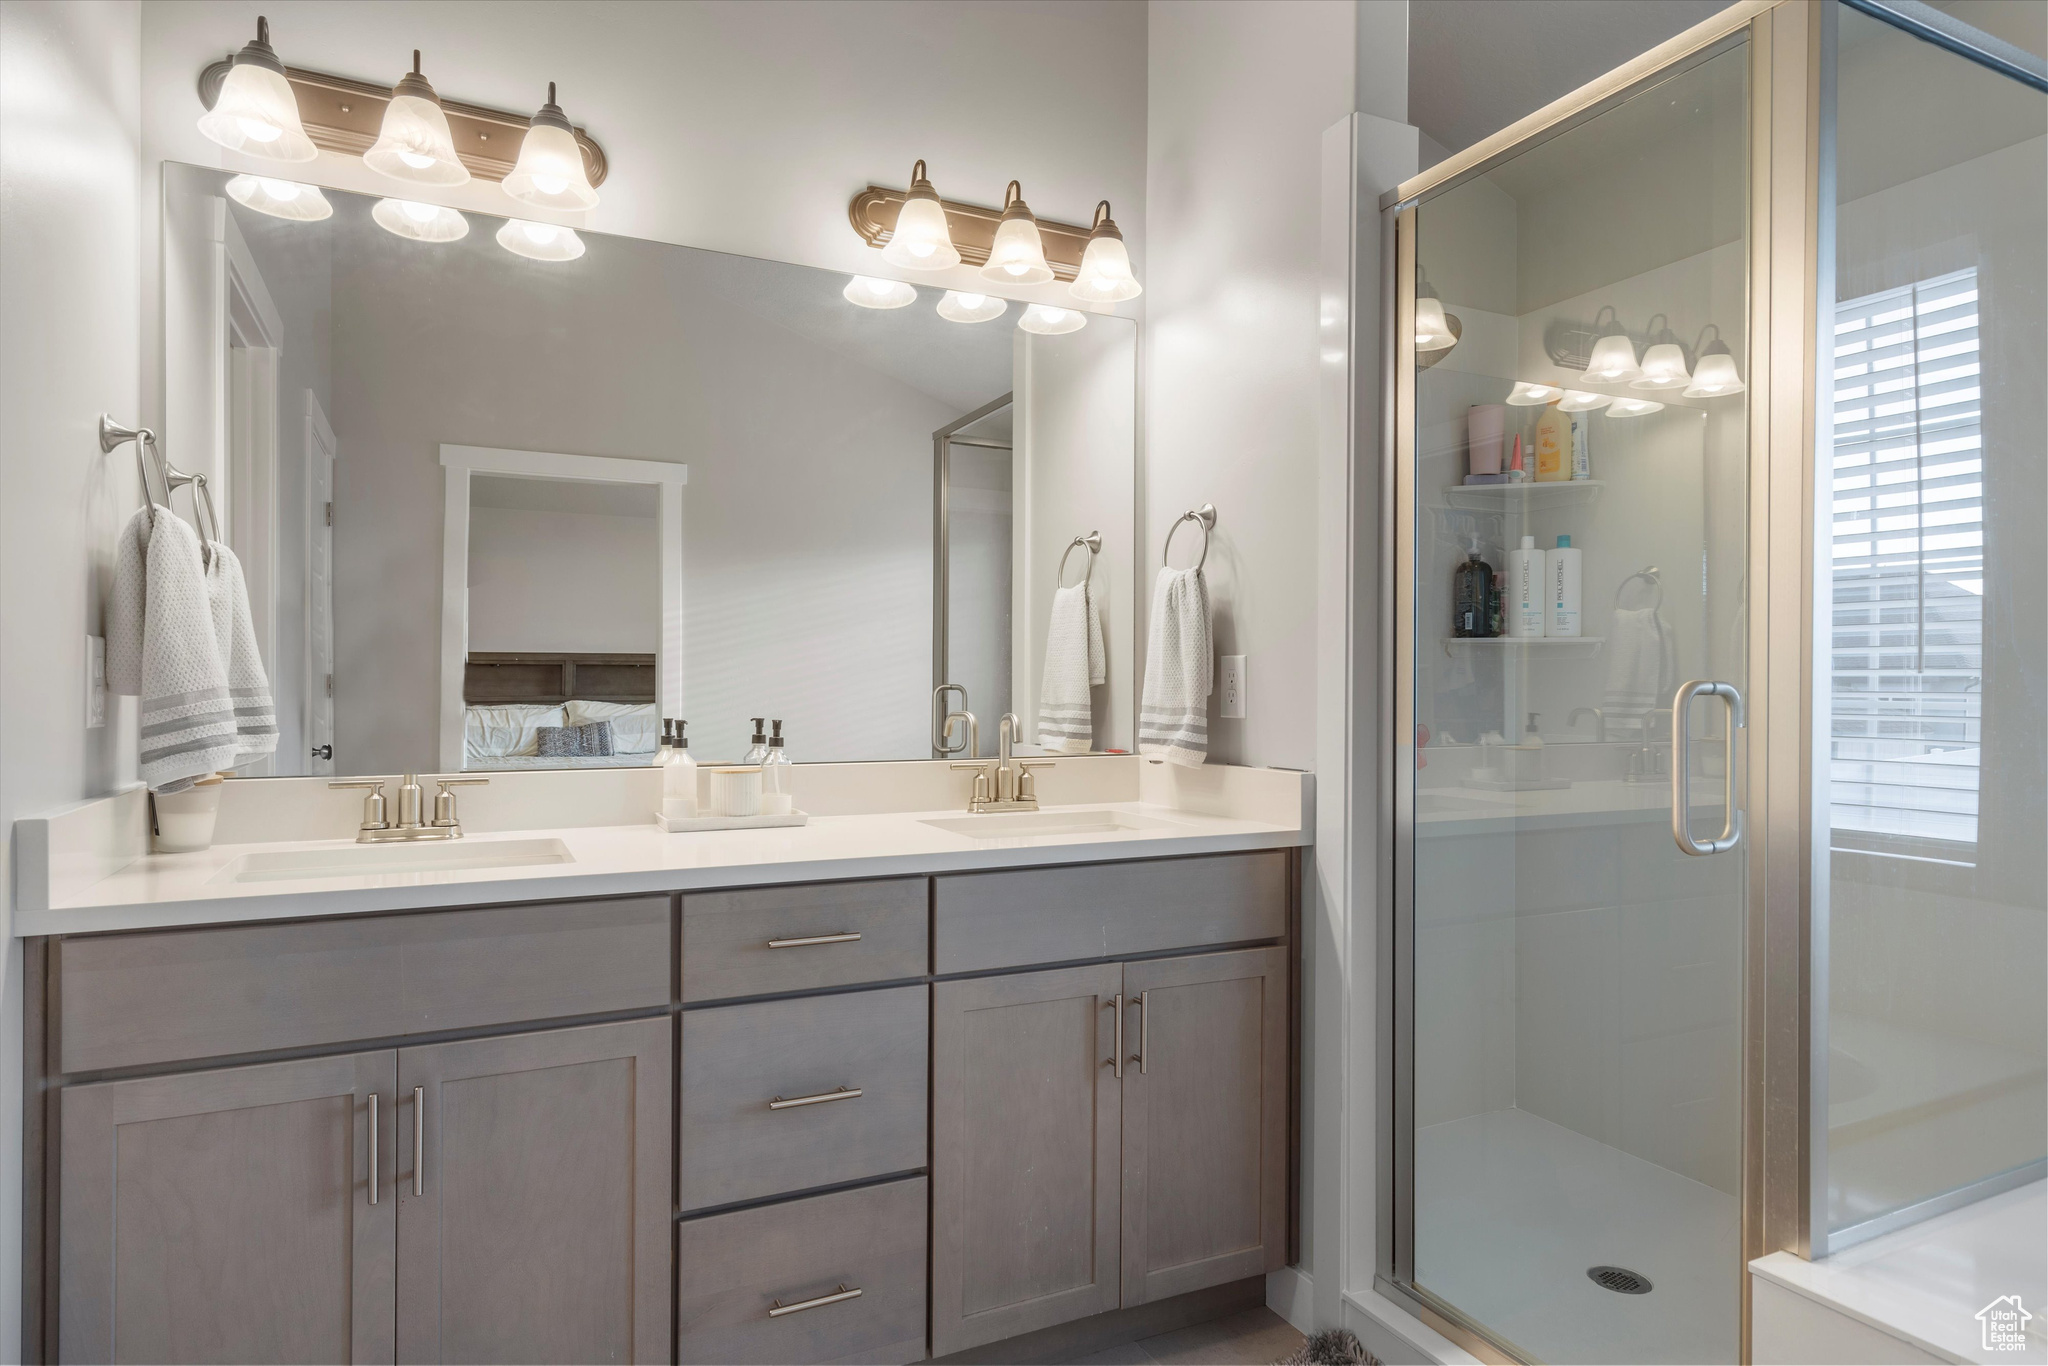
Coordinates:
[1582,454]
[678,776]
[1524,609]
[777,796]
[1553,445]
[1561,596]
[1471,587]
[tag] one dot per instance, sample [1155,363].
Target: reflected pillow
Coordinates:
[509,731]
[592,740]
[636,726]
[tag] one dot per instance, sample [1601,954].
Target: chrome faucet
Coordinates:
[377,829]
[1005,783]
[1599,721]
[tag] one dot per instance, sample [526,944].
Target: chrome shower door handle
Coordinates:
[1681,767]
[942,720]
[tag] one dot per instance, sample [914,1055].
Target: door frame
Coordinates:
[319,445]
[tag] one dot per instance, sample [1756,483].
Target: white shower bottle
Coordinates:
[1524,615]
[1561,585]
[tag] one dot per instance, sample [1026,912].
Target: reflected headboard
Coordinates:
[494,678]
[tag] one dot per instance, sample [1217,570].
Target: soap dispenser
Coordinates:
[1471,588]
[759,750]
[678,776]
[777,795]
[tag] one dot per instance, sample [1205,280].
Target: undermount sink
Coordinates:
[371,860]
[1013,824]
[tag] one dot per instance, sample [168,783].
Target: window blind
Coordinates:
[1908,545]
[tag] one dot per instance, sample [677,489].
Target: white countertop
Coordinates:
[195,889]
[1451,810]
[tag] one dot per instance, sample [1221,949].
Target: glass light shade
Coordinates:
[1105,276]
[420,222]
[869,292]
[257,115]
[1633,407]
[1663,368]
[1432,328]
[1579,401]
[550,173]
[280,198]
[1050,320]
[1614,359]
[540,241]
[1527,395]
[921,240]
[414,142]
[1018,256]
[971,308]
[1715,374]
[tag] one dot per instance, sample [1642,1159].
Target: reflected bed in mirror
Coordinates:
[419,446]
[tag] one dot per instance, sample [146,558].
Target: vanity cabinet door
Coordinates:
[534,1206]
[1026,1111]
[226,1215]
[1205,1121]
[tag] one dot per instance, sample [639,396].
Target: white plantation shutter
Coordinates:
[1908,649]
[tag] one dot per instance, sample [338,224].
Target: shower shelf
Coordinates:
[1541,644]
[1561,492]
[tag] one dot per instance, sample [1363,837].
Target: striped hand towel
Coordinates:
[235,631]
[1173,718]
[162,648]
[1074,662]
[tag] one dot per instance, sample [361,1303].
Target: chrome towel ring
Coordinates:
[1205,516]
[1093,542]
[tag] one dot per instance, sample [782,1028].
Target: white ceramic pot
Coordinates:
[184,820]
[736,791]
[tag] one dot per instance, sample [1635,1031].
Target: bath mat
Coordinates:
[1332,1347]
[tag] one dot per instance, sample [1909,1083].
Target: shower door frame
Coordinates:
[1790,240]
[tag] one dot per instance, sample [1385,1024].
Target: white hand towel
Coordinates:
[1074,662]
[235,630]
[1173,720]
[1642,669]
[162,648]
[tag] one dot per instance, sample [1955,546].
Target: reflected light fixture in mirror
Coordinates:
[971,308]
[1663,368]
[256,112]
[420,222]
[414,143]
[1049,320]
[1614,355]
[869,292]
[1527,395]
[1633,407]
[1017,256]
[1433,330]
[539,241]
[1105,276]
[1715,374]
[280,198]
[1579,401]
[550,173]
[921,240]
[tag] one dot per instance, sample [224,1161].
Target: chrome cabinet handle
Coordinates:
[373,1147]
[776,1308]
[843,1093]
[1144,1053]
[804,941]
[419,1140]
[1116,1051]
[1681,767]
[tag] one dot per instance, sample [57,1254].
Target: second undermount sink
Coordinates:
[1015,824]
[372,860]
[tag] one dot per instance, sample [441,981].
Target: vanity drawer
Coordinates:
[733,1269]
[739,1060]
[130,1000]
[750,943]
[1106,910]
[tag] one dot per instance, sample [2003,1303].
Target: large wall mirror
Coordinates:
[480,496]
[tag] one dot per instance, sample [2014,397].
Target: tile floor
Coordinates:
[1250,1337]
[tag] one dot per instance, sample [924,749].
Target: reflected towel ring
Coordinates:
[1093,541]
[1650,575]
[1206,516]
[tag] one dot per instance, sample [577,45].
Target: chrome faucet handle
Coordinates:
[1027,786]
[373,805]
[444,800]
[980,797]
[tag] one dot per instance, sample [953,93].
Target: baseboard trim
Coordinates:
[1099,1332]
[1290,1294]
[1397,1337]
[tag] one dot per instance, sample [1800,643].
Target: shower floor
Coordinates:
[1511,1209]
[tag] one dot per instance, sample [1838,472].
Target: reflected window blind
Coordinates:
[1908,650]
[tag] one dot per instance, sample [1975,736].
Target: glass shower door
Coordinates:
[1570,876]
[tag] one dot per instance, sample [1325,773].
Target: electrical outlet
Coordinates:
[95,682]
[1231,685]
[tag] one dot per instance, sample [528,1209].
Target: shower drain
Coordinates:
[1619,1279]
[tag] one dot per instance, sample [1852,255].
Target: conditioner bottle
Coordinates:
[1561,596]
[1524,609]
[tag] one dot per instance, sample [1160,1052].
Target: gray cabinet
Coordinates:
[1026,1113]
[533,1197]
[226,1215]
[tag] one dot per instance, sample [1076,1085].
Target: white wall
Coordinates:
[574,581]
[69,150]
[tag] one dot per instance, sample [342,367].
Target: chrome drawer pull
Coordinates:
[1116,1045]
[776,1308]
[843,1093]
[419,1140]
[373,1147]
[847,938]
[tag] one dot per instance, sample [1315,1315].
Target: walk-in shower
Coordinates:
[1680,975]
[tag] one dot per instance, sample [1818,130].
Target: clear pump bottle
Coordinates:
[778,797]
[678,776]
[758,752]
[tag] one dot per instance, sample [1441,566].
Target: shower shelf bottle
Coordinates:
[678,775]
[1471,594]
[1524,609]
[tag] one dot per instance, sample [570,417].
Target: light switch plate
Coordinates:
[1231,684]
[95,682]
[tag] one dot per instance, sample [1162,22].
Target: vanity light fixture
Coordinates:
[971,308]
[256,112]
[1664,364]
[280,198]
[1105,276]
[550,172]
[414,143]
[921,241]
[1614,354]
[1527,395]
[1715,374]
[1633,407]
[1050,320]
[539,241]
[1435,330]
[1579,401]
[1017,256]
[420,222]
[869,292]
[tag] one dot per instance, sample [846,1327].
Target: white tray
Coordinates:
[675,827]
